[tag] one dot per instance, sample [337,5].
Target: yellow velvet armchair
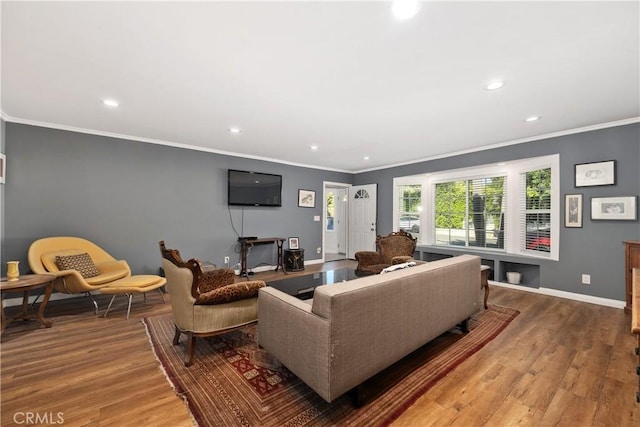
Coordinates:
[43,255]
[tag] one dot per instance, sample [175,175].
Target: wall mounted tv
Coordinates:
[254,189]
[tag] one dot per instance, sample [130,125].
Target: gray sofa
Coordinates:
[352,330]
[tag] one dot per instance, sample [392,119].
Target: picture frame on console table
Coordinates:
[573,210]
[294,243]
[614,208]
[306,199]
[595,174]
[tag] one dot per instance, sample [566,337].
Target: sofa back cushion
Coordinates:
[397,284]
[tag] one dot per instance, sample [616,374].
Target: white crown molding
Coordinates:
[513,142]
[10,119]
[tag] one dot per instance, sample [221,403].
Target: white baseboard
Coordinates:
[563,294]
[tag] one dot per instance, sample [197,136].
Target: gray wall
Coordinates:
[594,249]
[126,196]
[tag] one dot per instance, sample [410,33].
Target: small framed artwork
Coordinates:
[573,210]
[306,199]
[293,243]
[592,174]
[3,167]
[617,208]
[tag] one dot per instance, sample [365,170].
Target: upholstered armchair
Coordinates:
[206,303]
[395,248]
[85,266]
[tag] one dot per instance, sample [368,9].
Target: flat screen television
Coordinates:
[254,189]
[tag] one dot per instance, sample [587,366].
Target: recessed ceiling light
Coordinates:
[532,119]
[366,157]
[110,102]
[234,131]
[405,9]
[313,147]
[495,84]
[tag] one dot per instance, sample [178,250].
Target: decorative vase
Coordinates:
[514,277]
[12,270]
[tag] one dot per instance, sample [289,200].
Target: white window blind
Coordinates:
[535,211]
[409,205]
[471,212]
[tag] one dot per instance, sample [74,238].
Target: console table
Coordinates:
[246,244]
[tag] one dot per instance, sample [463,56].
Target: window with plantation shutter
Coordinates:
[471,212]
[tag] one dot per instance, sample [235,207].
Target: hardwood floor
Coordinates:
[560,362]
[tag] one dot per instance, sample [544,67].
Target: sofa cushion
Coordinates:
[79,262]
[230,293]
[105,277]
[213,279]
[49,258]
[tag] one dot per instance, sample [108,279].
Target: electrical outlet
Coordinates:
[586,279]
[226,261]
[319,250]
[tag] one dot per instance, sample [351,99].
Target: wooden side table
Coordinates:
[294,259]
[25,283]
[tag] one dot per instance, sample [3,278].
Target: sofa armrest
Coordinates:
[295,336]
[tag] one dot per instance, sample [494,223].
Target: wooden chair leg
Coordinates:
[358,396]
[191,349]
[176,336]
[464,325]
[162,296]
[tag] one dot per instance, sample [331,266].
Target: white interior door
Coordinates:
[362,218]
[334,239]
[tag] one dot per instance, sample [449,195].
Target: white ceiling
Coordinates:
[345,76]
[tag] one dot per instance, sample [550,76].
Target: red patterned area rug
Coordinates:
[234,383]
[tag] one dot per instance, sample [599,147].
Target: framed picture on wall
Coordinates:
[616,208]
[306,199]
[592,174]
[573,210]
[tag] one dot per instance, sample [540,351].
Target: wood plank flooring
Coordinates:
[560,363]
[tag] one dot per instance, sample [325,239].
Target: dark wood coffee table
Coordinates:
[24,284]
[302,287]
